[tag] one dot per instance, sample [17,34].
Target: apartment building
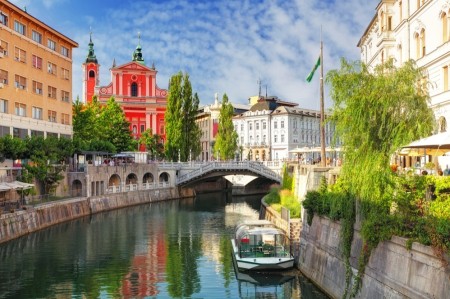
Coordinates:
[274,129]
[35,76]
[418,30]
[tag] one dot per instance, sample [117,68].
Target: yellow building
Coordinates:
[35,76]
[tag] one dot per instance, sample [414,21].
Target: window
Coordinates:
[275,138]
[64,51]
[65,73]
[20,55]
[275,125]
[52,116]
[400,9]
[4,47]
[250,126]
[282,124]
[37,62]
[242,127]
[242,139]
[65,95]
[389,23]
[36,36]
[20,82]
[52,92]
[161,130]
[134,89]
[257,126]
[36,112]
[37,87]
[20,109]
[444,28]
[420,43]
[51,44]
[65,119]
[19,27]
[3,76]
[445,73]
[3,19]
[51,68]
[264,125]
[142,128]
[282,138]
[3,106]
[91,74]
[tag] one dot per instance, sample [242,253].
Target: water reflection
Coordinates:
[176,249]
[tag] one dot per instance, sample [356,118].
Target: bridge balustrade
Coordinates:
[253,166]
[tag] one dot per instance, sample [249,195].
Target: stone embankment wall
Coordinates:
[393,271]
[292,228]
[19,223]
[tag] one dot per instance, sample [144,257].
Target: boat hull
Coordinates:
[260,263]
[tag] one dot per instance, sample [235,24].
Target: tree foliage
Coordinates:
[101,128]
[375,114]
[153,144]
[182,132]
[226,138]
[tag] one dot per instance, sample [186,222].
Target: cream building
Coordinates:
[418,30]
[273,130]
[35,76]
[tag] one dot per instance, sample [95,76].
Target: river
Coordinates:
[173,249]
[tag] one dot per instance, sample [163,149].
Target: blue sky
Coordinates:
[226,46]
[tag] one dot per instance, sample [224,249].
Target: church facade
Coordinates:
[133,85]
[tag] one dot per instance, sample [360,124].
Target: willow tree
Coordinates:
[182,133]
[376,112]
[226,139]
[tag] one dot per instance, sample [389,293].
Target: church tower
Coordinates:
[91,70]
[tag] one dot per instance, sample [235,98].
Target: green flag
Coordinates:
[310,76]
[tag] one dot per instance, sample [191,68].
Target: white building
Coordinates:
[418,30]
[272,129]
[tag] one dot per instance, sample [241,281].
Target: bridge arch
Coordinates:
[114,180]
[131,179]
[77,188]
[164,177]
[148,178]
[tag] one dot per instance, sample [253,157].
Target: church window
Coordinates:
[134,89]
[91,74]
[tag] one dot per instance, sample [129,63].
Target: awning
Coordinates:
[3,187]
[16,185]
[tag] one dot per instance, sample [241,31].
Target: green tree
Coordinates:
[183,134]
[153,144]
[114,127]
[12,147]
[226,138]
[375,114]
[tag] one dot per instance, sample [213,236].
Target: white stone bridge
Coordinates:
[223,168]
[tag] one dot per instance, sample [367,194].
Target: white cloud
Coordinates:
[225,46]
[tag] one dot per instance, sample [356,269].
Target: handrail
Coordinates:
[253,166]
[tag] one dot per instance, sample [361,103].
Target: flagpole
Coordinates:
[322,108]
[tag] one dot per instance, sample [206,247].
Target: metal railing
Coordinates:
[252,166]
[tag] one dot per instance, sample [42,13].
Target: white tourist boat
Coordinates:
[259,245]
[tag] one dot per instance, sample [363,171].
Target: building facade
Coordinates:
[418,30]
[133,85]
[273,130]
[35,76]
[207,119]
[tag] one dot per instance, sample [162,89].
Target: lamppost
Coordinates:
[179,155]
[218,155]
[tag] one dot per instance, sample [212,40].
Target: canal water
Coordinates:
[174,249]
